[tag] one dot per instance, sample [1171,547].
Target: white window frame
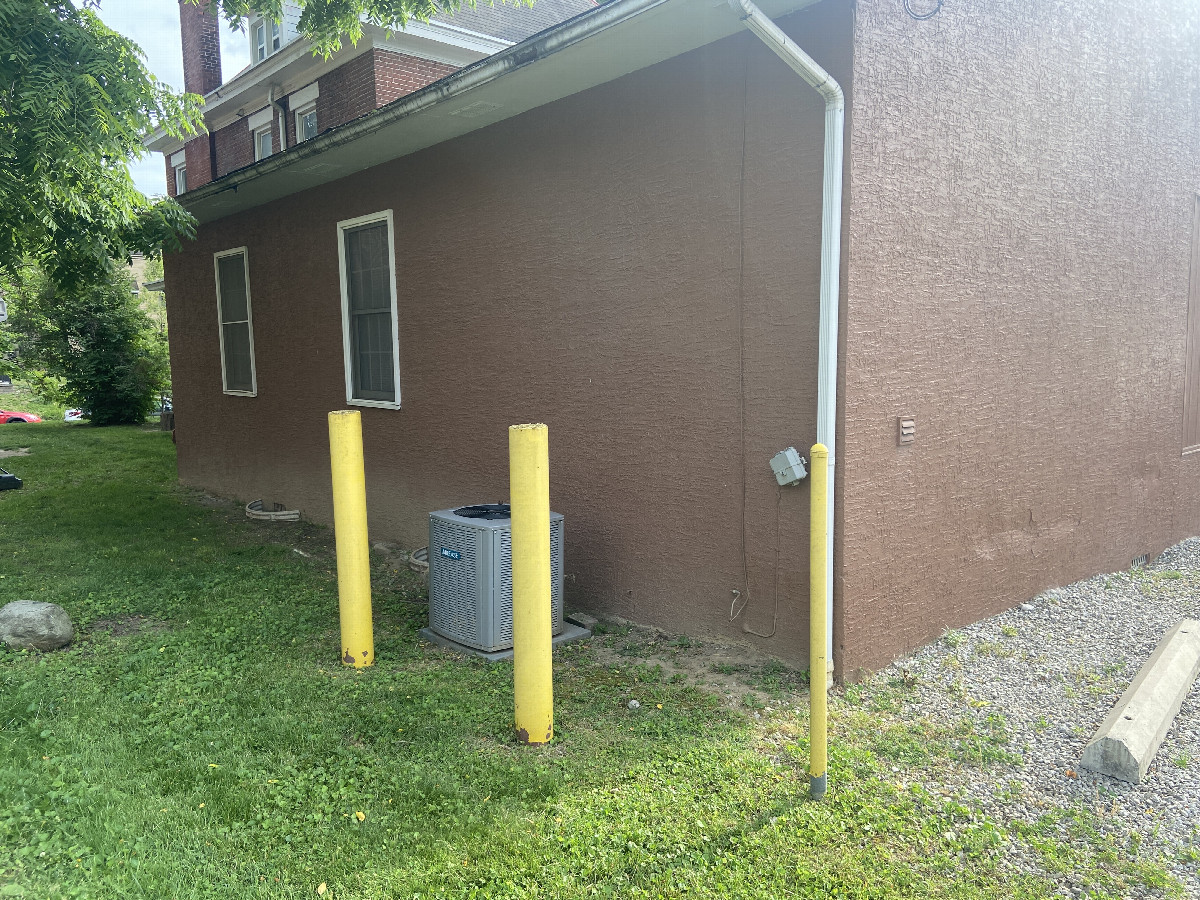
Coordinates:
[245,253]
[180,176]
[301,112]
[266,39]
[342,228]
[258,132]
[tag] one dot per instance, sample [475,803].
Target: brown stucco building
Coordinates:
[614,227]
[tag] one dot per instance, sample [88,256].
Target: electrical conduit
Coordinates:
[831,247]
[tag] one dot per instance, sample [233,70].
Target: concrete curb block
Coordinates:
[1126,741]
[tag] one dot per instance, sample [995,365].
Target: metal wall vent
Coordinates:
[470,575]
[906,429]
[1140,561]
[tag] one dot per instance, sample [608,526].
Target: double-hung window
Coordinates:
[235,323]
[179,168]
[369,320]
[264,144]
[306,122]
[267,39]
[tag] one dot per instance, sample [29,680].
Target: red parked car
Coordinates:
[9,416]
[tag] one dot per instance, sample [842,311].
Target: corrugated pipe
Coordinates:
[831,248]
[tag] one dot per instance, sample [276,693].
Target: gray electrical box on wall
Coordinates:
[788,466]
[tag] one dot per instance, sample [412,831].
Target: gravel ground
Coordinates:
[1053,668]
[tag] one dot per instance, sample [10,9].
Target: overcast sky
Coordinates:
[154,26]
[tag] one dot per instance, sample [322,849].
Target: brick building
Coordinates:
[287,95]
[620,226]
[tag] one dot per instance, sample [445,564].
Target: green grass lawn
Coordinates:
[200,739]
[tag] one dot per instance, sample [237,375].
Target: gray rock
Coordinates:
[633,704]
[33,625]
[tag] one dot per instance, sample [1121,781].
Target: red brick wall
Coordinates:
[366,82]
[198,153]
[235,144]
[347,92]
[170,175]
[201,39]
[397,74]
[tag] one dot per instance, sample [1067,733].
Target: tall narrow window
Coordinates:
[1191,384]
[260,41]
[369,326]
[264,144]
[306,122]
[180,179]
[274,36]
[233,317]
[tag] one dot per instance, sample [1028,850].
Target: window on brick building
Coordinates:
[264,144]
[369,320]
[306,122]
[234,321]
[267,39]
[178,163]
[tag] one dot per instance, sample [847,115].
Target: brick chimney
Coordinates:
[201,38]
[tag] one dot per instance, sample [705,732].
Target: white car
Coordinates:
[74,415]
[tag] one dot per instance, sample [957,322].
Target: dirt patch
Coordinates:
[122,625]
[742,675]
[20,451]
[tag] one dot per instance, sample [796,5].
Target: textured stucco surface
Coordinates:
[637,266]
[1022,185]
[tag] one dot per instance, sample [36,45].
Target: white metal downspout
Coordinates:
[831,249]
[282,117]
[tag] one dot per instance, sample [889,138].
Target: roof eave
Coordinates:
[442,110]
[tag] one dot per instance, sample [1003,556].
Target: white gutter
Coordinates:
[831,250]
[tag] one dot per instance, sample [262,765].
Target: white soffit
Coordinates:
[613,40]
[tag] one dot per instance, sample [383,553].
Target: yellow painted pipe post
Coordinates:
[533,661]
[817,662]
[350,534]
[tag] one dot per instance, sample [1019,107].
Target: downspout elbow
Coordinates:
[787,50]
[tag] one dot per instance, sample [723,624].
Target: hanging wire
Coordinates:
[921,17]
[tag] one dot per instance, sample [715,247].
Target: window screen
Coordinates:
[233,306]
[369,313]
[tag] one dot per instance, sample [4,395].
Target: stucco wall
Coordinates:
[636,266]
[1022,184]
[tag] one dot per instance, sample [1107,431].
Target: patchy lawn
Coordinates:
[200,738]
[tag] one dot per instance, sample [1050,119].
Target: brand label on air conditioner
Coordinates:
[451,554]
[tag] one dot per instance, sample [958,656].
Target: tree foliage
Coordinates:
[75,101]
[91,346]
[326,23]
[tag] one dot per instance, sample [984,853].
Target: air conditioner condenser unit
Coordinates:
[470,575]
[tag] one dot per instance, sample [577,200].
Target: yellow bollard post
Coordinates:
[350,535]
[533,660]
[817,662]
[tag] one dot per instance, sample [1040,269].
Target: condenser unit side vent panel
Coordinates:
[504,608]
[457,596]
